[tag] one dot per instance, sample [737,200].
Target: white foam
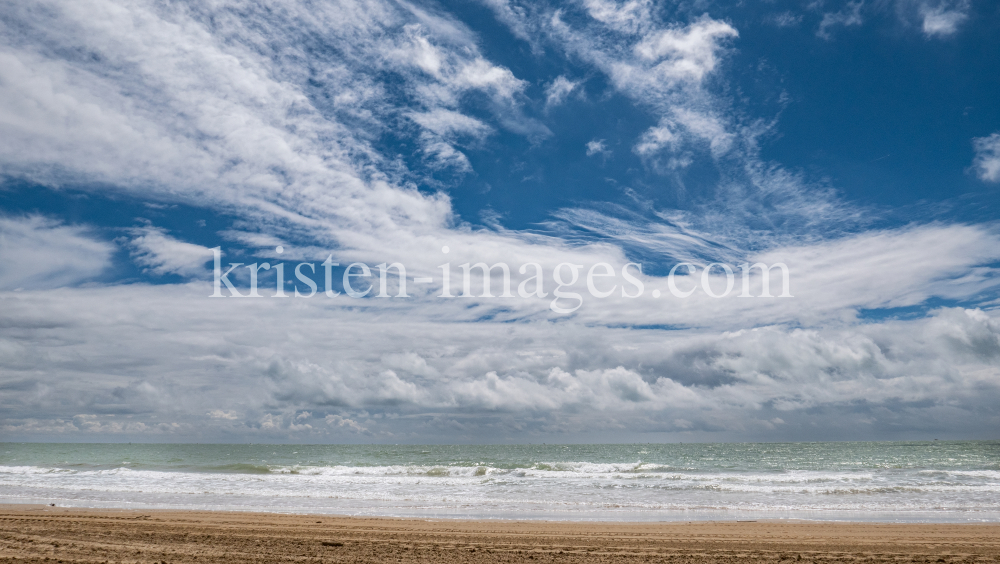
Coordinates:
[570,489]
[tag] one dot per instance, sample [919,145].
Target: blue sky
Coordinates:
[856,142]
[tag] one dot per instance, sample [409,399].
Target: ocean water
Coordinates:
[939,481]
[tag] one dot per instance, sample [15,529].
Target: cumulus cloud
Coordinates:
[37,252]
[986,163]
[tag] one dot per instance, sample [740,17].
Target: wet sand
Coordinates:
[32,533]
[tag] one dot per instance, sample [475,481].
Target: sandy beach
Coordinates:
[32,533]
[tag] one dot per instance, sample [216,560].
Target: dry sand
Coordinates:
[52,534]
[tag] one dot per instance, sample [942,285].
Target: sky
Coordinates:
[616,157]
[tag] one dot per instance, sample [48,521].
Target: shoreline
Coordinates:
[639,516]
[32,533]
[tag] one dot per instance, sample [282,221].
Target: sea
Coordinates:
[935,481]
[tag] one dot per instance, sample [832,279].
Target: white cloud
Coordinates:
[663,67]
[831,281]
[450,124]
[654,64]
[148,348]
[346,423]
[655,138]
[664,64]
[444,156]
[36,252]
[443,130]
[786,19]
[708,128]
[849,16]
[986,163]
[239,132]
[159,351]
[558,90]
[597,147]
[939,21]
[685,53]
[936,18]
[306,165]
[675,71]
[632,16]
[668,135]
[197,108]
[162,254]
[514,18]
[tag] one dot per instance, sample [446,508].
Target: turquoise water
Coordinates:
[888,481]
